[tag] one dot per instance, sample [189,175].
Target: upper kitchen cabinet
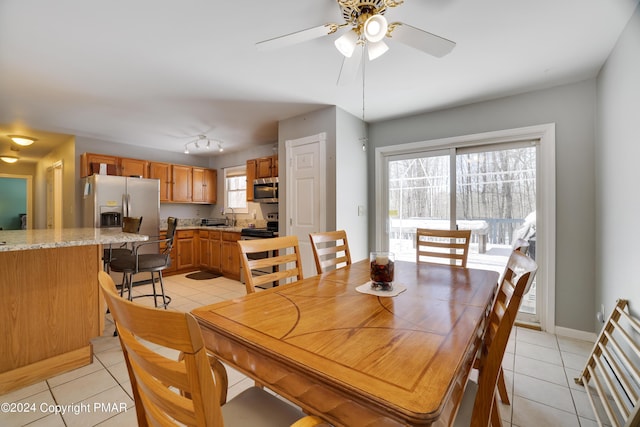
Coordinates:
[264,167]
[251,176]
[204,185]
[182,188]
[162,172]
[267,167]
[91,163]
[134,167]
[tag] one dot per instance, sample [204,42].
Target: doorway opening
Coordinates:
[16,204]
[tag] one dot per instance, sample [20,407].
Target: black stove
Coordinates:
[261,233]
[258,232]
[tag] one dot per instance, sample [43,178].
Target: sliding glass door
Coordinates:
[489,189]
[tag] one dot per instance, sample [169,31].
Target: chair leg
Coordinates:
[165,300]
[502,389]
[496,421]
[153,286]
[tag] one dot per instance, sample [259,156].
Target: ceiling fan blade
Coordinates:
[350,68]
[420,39]
[297,37]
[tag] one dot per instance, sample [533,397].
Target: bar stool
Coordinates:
[130,224]
[143,262]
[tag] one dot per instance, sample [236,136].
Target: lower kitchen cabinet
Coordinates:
[230,255]
[209,244]
[213,250]
[185,249]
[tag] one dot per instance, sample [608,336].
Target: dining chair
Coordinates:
[130,224]
[153,263]
[280,260]
[436,245]
[189,388]
[479,404]
[330,250]
[522,246]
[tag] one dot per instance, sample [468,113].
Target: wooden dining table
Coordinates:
[356,359]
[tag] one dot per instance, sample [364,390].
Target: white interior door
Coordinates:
[305,194]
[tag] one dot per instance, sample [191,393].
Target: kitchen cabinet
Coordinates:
[209,245]
[251,176]
[204,185]
[185,249]
[230,257]
[266,166]
[90,164]
[182,189]
[162,172]
[263,167]
[133,167]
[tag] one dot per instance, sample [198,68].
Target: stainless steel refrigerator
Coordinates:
[107,199]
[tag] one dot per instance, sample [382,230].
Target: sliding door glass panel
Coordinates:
[496,199]
[494,195]
[419,196]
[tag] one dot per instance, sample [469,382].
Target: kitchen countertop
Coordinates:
[212,228]
[21,240]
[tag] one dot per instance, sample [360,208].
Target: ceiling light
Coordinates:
[22,140]
[208,144]
[375,28]
[9,159]
[186,149]
[376,49]
[220,149]
[346,43]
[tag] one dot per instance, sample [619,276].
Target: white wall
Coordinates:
[618,174]
[572,108]
[351,183]
[346,171]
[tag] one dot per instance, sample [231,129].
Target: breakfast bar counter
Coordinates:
[50,306]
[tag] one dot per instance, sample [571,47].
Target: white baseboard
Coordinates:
[576,334]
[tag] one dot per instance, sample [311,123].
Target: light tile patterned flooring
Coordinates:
[539,370]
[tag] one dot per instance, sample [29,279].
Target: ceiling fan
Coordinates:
[368,28]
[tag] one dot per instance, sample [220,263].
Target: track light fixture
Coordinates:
[199,143]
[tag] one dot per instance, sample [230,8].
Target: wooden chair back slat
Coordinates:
[155,377]
[437,245]
[611,377]
[520,271]
[330,250]
[283,259]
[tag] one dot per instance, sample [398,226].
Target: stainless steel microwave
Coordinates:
[265,190]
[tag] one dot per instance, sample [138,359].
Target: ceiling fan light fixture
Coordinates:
[22,140]
[375,28]
[376,50]
[347,42]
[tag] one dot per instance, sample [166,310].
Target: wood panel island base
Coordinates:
[50,306]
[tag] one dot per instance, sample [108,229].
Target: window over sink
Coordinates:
[235,189]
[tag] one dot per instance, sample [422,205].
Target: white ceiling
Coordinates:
[157,73]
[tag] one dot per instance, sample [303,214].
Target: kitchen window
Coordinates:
[235,189]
